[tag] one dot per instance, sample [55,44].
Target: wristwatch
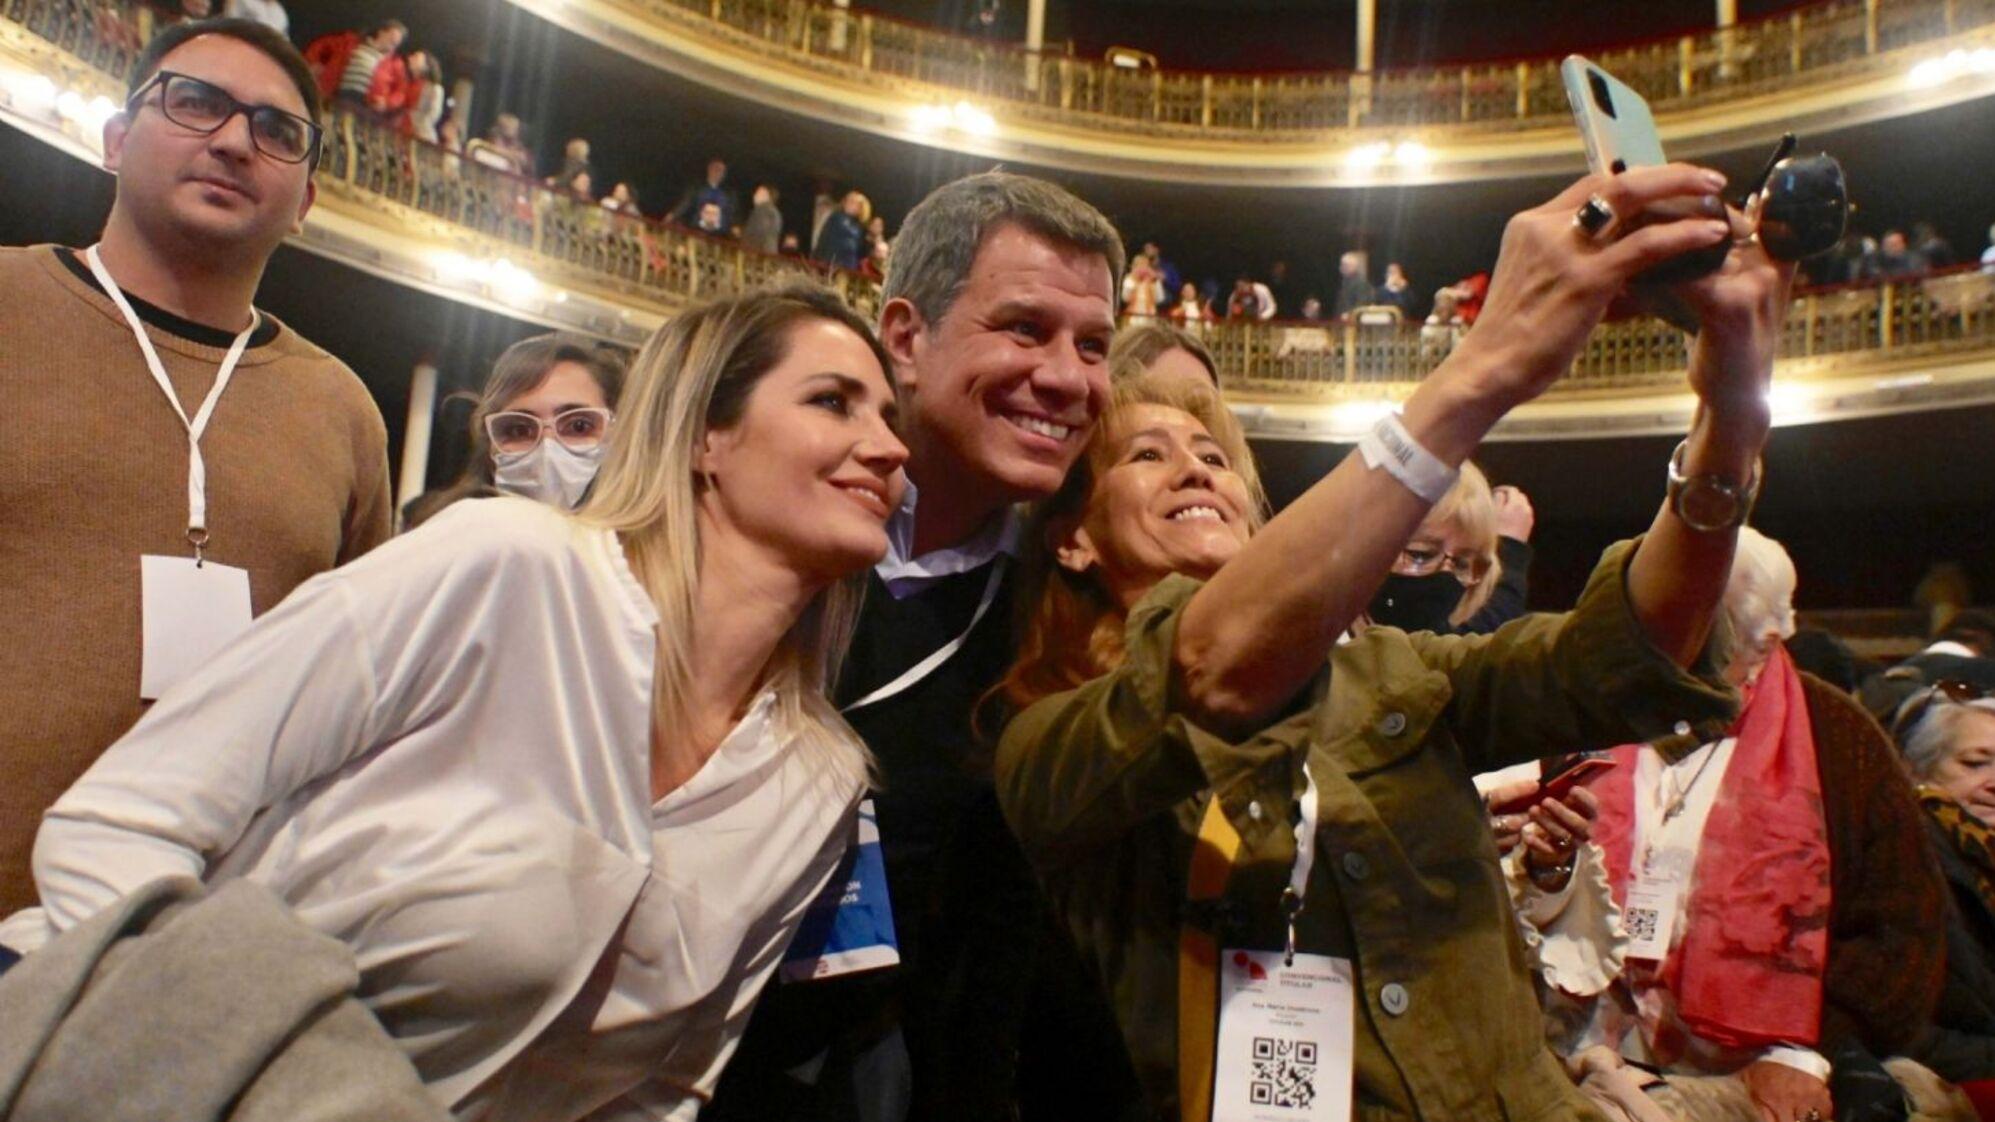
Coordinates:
[1710,504]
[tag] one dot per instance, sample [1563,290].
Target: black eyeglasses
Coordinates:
[205,107]
[1915,708]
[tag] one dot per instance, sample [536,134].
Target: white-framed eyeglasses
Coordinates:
[578,430]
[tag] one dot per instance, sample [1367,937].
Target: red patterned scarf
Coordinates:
[1746,968]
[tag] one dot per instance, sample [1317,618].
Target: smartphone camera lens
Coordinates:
[1603,98]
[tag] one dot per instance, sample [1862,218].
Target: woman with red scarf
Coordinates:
[1778,913]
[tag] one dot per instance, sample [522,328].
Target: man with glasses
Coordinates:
[178,461]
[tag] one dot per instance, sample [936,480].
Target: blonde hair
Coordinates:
[1070,627]
[1138,346]
[1471,506]
[695,374]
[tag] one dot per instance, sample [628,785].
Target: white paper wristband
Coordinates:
[1390,446]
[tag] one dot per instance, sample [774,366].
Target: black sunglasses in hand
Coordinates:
[204,107]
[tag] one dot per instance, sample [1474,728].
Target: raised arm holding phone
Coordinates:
[1306,797]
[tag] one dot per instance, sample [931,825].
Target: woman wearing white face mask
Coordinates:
[539,428]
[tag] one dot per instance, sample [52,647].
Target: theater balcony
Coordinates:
[1818,66]
[424,218]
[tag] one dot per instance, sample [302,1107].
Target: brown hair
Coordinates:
[523,366]
[265,39]
[1070,628]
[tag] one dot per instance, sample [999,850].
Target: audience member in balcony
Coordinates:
[1443,325]
[1397,290]
[540,426]
[1894,259]
[791,247]
[1142,289]
[428,101]
[843,238]
[1173,280]
[1201,647]
[713,189]
[369,79]
[764,229]
[1988,255]
[1312,309]
[574,158]
[295,467]
[622,199]
[1928,244]
[710,221]
[1794,905]
[1948,735]
[269,13]
[1191,311]
[878,249]
[823,203]
[502,149]
[999,306]
[580,185]
[564,784]
[1354,288]
[1251,300]
[1287,293]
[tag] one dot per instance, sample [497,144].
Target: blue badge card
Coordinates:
[850,926]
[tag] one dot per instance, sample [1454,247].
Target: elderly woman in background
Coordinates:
[1198,767]
[1772,926]
[1948,733]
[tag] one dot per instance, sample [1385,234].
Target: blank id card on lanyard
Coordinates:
[190,607]
[1286,1019]
[850,925]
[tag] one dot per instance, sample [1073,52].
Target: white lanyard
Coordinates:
[197,471]
[941,654]
[1305,860]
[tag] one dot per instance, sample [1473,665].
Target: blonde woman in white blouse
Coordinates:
[565,784]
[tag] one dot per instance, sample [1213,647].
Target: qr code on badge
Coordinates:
[1284,1073]
[1641,923]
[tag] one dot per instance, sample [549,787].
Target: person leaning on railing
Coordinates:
[1207,713]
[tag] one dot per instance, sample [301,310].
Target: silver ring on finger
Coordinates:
[1812,1115]
[1592,217]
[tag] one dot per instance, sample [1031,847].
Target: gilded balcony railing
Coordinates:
[422,193]
[1946,313]
[1819,42]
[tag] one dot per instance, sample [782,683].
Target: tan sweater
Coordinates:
[93,473]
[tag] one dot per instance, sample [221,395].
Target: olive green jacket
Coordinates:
[1105,786]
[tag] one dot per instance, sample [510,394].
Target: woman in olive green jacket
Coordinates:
[1149,699]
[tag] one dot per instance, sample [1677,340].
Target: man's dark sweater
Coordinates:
[989,998]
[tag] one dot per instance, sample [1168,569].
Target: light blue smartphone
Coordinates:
[1615,121]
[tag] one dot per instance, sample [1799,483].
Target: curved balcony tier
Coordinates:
[430,219]
[1826,65]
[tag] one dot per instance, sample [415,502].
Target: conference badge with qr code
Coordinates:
[1285,1038]
[1649,916]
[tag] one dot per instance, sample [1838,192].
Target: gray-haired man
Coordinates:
[1000,304]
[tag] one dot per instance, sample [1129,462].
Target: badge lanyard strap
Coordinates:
[197,470]
[1305,860]
[941,654]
